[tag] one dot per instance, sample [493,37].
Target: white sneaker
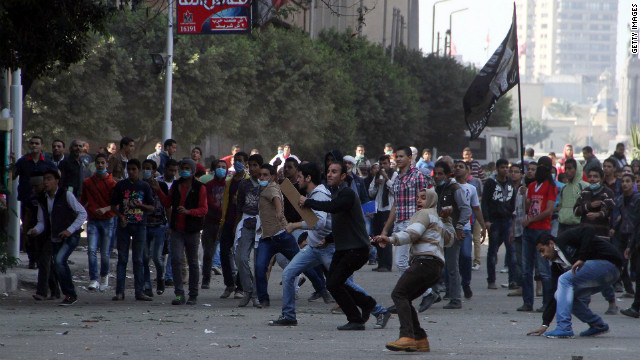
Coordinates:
[93,285]
[104,283]
[504,270]
[475,267]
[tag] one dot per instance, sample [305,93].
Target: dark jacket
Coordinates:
[61,217]
[450,194]
[192,223]
[498,201]
[74,172]
[363,192]
[347,219]
[602,223]
[579,243]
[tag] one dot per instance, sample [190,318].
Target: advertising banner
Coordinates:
[213,16]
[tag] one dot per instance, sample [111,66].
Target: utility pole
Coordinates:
[168,84]
[393,33]
[16,144]
[384,28]
[433,23]
[402,24]
[360,18]
[311,18]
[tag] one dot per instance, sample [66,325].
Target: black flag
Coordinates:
[497,77]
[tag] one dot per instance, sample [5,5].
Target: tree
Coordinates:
[44,36]
[534,131]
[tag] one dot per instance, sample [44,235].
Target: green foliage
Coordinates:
[42,36]
[534,131]
[6,260]
[273,86]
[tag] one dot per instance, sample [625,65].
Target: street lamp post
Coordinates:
[168,85]
[433,23]
[450,30]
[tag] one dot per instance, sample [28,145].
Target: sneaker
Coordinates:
[403,344]
[69,300]
[422,345]
[168,282]
[382,320]
[283,321]
[144,297]
[492,286]
[192,300]
[558,334]
[475,267]
[526,308]
[39,297]
[372,262]
[630,312]
[468,294]
[93,285]
[426,302]
[118,297]
[179,300]
[540,309]
[104,283]
[453,305]
[227,292]
[302,281]
[504,286]
[148,292]
[517,292]
[595,330]
[611,311]
[239,294]
[504,270]
[392,309]
[351,326]
[205,285]
[257,304]
[327,298]
[217,270]
[245,300]
[159,286]
[315,296]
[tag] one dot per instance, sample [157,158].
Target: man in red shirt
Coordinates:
[541,199]
[187,200]
[228,159]
[95,197]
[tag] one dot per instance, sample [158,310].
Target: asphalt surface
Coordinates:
[487,327]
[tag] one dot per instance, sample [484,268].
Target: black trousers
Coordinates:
[227,238]
[385,254]
[620,241]
[635,263]
[343,265]
[47,280]
[208,239]
[421,275]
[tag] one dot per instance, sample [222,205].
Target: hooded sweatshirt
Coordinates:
[322,228]
[337,156]
[565,156]
[426,232]
[568,196]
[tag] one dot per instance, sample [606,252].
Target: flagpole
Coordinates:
[519,95]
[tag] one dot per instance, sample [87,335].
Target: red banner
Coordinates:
[213,16]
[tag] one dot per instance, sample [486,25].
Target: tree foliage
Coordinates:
[43,36]
[534,131]
[273,86]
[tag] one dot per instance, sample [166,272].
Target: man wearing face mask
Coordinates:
[156,231]
[540,204]
[215,193]
[228,225]
[188,203]
[96,197]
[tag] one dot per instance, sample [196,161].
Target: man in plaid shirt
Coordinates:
[406,187]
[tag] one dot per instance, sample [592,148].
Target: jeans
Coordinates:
[99,235]
[153,251]
[343,265]
[499,234]
[421,275]
[134,235]
[574,292]
[452,268]
[464,259]
[208,238]
[226,256]
[307,258]
[61,252]
[185,242]
[402,251]
[216,255]
[529,256]
[113,243]
[285,244]
[384,254]
[168,270]
[243,254]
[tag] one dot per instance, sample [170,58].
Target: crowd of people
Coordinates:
[569,229]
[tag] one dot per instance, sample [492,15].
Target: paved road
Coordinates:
[488,327]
